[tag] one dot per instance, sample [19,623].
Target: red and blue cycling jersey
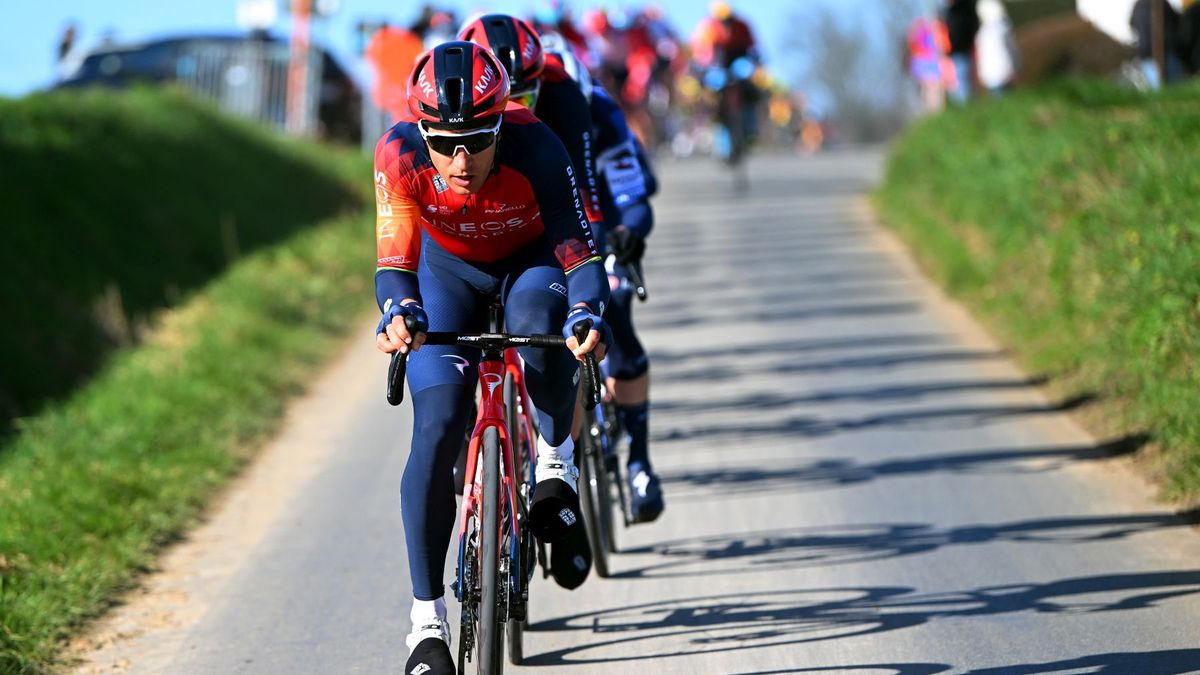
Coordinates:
[530,194]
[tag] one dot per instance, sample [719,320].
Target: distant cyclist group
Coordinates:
[514,184]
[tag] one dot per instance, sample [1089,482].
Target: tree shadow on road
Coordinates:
[667,358]
[904,392]
[961,417]
[748,621]
[873,669]
[821,546]
[725,482]
[1165,662]
[785,314]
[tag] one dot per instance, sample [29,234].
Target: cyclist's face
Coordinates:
[464,172]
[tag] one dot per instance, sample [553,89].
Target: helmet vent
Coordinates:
[454,95]
[508,59]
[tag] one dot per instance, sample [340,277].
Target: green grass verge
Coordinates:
[1069,218]
[115,205]
[95,484]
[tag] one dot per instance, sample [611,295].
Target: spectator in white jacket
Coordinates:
[995,50]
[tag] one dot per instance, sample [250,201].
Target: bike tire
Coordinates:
[589,497]
[604,503]
[612,473]
[489,643]
[515,629]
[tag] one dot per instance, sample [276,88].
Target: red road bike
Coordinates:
[496,550]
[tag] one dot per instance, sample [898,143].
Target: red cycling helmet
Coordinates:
[514,42]
[457,85]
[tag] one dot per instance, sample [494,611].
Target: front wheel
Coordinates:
[489,644]
[597,514]
[516,647]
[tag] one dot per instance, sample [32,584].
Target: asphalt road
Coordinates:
[858,481]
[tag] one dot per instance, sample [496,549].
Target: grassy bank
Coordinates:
[1069,219]
[92,486]
[115,205]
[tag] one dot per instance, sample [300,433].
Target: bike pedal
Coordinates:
[454,587]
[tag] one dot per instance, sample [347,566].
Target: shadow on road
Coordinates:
[720,370]
[906,392]
[963,417]
[874,669]
[715,482]
[776,550]
[782,314]
[663,358]
[747,621]
[1166,662]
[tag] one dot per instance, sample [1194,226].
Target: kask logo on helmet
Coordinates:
[485,79]
[423,83]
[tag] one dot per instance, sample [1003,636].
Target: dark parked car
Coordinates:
[245,74]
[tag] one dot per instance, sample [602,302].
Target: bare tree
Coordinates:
[852,58]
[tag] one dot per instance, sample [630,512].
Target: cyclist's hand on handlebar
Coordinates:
[392,334]
[595,339]
[627,245]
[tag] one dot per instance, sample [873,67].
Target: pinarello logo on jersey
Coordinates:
[501,207]
[396,261]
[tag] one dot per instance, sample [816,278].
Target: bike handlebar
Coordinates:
[498,342]
[639,283]
[590,369]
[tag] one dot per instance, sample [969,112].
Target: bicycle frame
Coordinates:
[492,414]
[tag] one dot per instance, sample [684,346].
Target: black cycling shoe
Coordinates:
[431,656]
[571,559]
[645,496]
[554,511]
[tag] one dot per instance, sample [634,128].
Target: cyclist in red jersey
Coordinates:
[722,38]
[554,97]
[476,198]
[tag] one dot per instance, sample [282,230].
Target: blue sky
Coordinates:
[29,31]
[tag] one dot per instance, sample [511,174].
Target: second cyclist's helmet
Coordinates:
[514,43]
[573,67]
[457,85]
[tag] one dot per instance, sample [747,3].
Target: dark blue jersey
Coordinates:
[563,107]
[624,176]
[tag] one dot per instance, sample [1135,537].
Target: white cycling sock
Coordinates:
[425,611]
[564,452]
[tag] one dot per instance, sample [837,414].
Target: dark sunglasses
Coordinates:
[448,143]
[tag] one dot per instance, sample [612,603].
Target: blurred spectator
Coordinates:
[442,27]
[391,53]
[553,16]
[1141,20]
[68,58]
[928,63]
[1189,37]
[994,47]
[66,42]
[962,24]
